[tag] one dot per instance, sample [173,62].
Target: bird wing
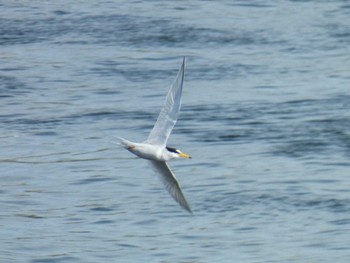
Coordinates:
[170,182]
[169,113]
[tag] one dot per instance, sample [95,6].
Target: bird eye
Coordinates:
[170,149]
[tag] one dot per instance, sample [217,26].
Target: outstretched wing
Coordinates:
[170,182]
[169,113]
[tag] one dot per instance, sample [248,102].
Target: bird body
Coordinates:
[148,151]
[155,149]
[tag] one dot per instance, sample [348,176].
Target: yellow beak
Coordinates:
[184,155]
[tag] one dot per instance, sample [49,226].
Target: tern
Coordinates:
[155,148]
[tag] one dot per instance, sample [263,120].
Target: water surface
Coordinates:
[265,117]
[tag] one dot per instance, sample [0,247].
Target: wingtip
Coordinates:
[190,211]
[186,206]
[182,69]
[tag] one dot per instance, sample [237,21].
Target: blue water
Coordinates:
[265,117]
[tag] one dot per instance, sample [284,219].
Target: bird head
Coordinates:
[177,153]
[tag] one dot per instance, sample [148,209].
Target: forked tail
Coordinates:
[124,143]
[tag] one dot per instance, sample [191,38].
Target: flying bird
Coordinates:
[155,148]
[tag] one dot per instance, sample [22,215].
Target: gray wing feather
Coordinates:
[170,182]
[168,115]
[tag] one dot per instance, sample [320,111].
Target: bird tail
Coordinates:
[124,143]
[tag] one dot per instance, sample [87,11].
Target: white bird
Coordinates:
[155,149]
